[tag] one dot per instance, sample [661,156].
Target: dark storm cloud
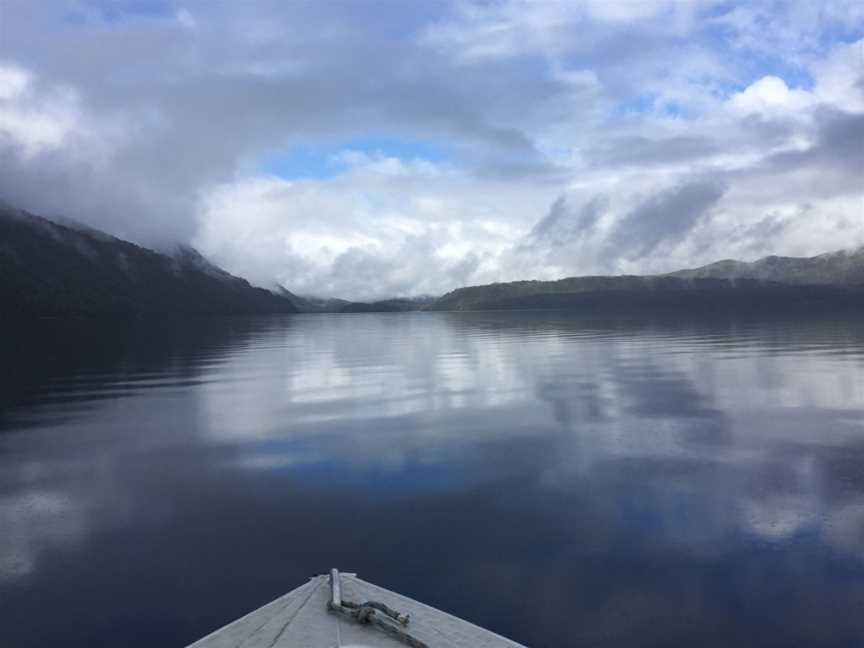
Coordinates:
[563,225]
[531,167]
[665,217]
[594,232]
[839,144]
[201,98]
[831,166]
[123,200]
[644,151]
[767,131]
[769,228]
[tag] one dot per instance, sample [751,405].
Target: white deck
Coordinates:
[300,619]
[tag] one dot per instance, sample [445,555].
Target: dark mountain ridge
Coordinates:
[49,268]
[834,280]
[845,267]
[396,305]
[310,304]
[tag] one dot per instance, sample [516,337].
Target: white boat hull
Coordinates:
[302,619]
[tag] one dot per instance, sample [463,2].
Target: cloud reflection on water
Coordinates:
[649,478]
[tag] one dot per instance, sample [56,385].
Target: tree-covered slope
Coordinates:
[834,280]
[53,269]
[845,267]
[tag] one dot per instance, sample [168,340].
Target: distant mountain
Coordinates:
[332,305]
[834,268]
[51,268]
[308,304]
[834,280]
[389,305]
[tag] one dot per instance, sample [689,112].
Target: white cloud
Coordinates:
[424,227]
[33,119]
[475,32]
[840,77]
[769,95]
[13,82]
[185,18]
[383,228]
[154,129]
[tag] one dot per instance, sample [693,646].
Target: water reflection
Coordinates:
[562,480]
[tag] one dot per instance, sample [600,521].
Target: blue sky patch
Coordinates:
[634,105]
[118,11]
[319,160]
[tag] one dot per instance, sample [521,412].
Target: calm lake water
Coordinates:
[563,481]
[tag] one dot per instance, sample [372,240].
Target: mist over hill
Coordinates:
[51,268]
[845,267]
[61,268]
[834,280]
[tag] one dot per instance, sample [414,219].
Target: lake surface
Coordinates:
[563,481]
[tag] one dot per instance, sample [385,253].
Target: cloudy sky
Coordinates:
[367,149]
